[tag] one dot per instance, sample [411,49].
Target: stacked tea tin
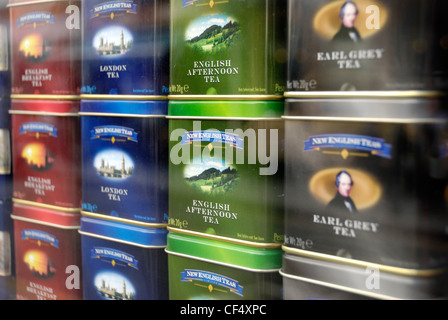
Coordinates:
[45,83]
[124,149]
[365,150]
[225,225]
[7,270]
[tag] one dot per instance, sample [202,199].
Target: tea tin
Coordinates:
[46,153]
[5,71]
[45,47]
[202,268]
[126,48]
[366,181]
[233,49]
[226,170]
[7,257]
[122,261]
[48,254]
[366,46]
[306,278]
[125,160]
[5,150]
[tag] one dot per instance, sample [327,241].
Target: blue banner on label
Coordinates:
[115,131]
[212,136]
[375,146]
[110,254]
[212,278]
[39,127]
[32,234]
[32,17]
[187,3]
[113,6]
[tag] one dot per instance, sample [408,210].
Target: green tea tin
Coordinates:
[228,48]
[200,268]
[226,170]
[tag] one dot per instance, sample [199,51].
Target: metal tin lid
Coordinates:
[27,2]
[404,110]
[368,280]
[5,214]
[258,259]
[123,232]
[249,110]
[122,108]
[45,107]
[40,215]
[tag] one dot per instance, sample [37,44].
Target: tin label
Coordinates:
[125,167]
[354,45]
[43,257]
[213,165]
[44,61]
[363,193]
[116,35]
[210,41]
[191,279]
[45,146]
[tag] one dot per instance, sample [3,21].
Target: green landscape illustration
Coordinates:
[213,34]
[214,181]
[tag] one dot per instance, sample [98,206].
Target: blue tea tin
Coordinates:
[125,160]
[123,261]
[5,150]
[125,47]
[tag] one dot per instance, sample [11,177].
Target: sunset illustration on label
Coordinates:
[37,156]
[35,48]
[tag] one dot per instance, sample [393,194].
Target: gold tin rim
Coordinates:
[126,115]
[49,224]
[34,2]
[183,255]
[45,96]
[368,119]
[223,118]
[337,287]
[123,220]
[226,97]
[46,206]
[225,239]
[44,113]
[93,235]
[123,97]
[365,94]
[365,264]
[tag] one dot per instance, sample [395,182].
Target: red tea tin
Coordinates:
[48,254]
[45,47]
[46,153]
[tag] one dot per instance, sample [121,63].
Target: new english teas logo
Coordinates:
[365,144]
[35,17]
[211,279]
[108,8]
[32,234]
[114,256]
[128,134]
[212,136]
[39,127]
